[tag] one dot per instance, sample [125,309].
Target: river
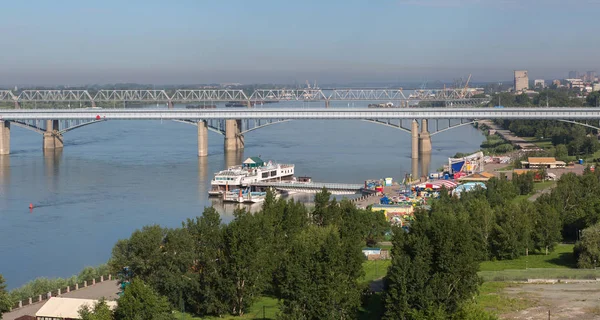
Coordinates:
[117,176]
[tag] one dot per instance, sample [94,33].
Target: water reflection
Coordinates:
[52,159]
[4,173]
[233,158]
[203,176]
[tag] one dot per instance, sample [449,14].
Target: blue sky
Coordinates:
[199,41]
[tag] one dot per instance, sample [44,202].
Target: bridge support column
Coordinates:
[202,138]
[52,139]
[234,140]
[17,106]
[414,132]
[170,104]
[424,139]
[326,103]
[4,137]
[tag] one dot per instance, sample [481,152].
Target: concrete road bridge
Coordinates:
[450,97]
[52,124]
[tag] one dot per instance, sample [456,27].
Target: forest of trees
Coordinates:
[311,260]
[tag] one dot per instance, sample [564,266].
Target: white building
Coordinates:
[596,87]
[576,83]
[539,83]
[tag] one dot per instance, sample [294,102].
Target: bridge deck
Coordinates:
[302,113]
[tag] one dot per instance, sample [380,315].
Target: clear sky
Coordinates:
[343,41]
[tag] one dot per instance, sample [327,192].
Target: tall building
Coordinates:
[521,80]
[573,74]
[590,76]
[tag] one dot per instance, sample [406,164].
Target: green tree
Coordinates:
[587,250]
[5,301]
[593,99]
[247,267]
[100,311]
[561,152]
[314,281]
[483,219]
[141,252]
[141,302]
[207,296]
[434,267]
[546,227]
[511,237]
[523,182]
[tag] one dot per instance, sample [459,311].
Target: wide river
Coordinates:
[117,176]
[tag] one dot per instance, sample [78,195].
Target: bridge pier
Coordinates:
[170,104]
[414,133]
[234,140]
[326,103]
[202,138]
[4,137]
[52,139]
[17,106]
[424,139]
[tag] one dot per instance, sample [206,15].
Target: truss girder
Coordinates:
[132,95]
[461,97]
[288,95]
[208,95]
[7,95]
[367,95]
[54,95]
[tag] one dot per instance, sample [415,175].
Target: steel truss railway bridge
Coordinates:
[234,124]
[449,97]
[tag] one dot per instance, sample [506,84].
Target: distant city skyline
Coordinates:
[155,42]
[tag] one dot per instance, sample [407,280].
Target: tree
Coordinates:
[141,302]
[314,281]
[483,219]
[100,311]
[5,301]
[207,296]
[587,251]
[523,182]
[511,237]
[561,152]
[141,252]
[434,267]
[247,266]
[593,99]
[546,227]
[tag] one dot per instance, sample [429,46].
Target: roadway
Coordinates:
[107,289]
[559,113]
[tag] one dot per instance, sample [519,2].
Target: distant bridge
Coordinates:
[312,187]
[454,97]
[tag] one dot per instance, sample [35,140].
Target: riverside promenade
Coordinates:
[107,289]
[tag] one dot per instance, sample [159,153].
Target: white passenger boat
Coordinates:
[252,170]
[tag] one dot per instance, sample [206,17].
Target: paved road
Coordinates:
[107,289]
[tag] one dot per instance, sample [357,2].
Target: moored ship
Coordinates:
[252,170]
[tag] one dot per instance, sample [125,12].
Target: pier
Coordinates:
[314,187]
